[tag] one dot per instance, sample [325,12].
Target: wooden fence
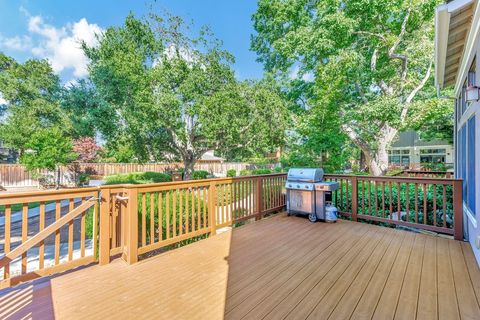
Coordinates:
[16,175]
[73,225]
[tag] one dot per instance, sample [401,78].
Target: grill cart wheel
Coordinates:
[312,217]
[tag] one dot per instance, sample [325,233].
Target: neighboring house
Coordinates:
[410,151]
[457,47]
[7,155]
[210,157]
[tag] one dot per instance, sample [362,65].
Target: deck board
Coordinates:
[281,267]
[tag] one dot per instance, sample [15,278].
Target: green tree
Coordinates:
[31,90]
[371,62]
[48,149]
[176,95]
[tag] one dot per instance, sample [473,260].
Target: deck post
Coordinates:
[259,197]
[457,210]
[131,228]
[211,208]
[104,229]
[354,198]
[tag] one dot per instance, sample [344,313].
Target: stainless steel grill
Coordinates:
[307,193]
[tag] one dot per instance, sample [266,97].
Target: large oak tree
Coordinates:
[175,95]
[371,61]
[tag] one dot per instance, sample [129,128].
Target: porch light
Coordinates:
[473,93]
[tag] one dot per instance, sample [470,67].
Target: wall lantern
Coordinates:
[473,93]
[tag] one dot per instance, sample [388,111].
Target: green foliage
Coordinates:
[176,94]
[138,178]
[199,174]
[360,66]
[177,212]
[231,173]
[277,169]
[261,171]
[370,201]
[47,149]
[31,90]
[245,172]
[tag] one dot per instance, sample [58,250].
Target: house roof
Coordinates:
[454,37]
[411,139]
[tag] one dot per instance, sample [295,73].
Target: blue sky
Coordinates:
[49,29]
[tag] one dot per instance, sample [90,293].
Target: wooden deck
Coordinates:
[281,267]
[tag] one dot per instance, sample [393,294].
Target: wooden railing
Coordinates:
[425,203]
[148,217]
[47,232]
[68,228]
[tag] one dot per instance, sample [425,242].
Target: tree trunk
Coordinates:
[189,164]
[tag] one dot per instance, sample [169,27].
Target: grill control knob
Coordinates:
[289,185]
[298,186]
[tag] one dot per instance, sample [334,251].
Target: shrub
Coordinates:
[277,169]
[199,174]
[245,172]
[138,178]
[262,171]
[231,173]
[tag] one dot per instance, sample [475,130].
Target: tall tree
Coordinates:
[371,61]
[31,90]
[176,95]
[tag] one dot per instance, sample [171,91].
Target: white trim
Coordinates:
[470,215]
[470,49]
[442,22]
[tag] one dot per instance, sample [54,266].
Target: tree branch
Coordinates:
[414,92]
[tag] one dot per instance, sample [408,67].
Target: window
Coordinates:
[407,151]
[470,164]
[462,158]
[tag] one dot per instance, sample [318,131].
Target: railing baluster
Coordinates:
[383,199]
[369,198]
[204,207]
[70,231]
[407,201]
[376,197]
[58,209]
[416,202]
[6,248]
[424,203]
[435,205]
[363,196]
[82,230]
[391,199]
[152,217]
[144,219]
[174,212]
[160,216]
[167,214]
[199,212]
[180,211]
[399,204]
[444,206]
[187,211]
[24,235]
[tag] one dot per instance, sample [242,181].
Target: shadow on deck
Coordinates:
[281,267]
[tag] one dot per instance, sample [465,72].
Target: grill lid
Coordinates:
[305,174]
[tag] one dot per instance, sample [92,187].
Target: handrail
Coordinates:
[42,235]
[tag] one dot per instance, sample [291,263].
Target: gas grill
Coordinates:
[307,193]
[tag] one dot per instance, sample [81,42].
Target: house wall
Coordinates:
[471,215]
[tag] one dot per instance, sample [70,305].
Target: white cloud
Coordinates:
[62,46]
[19,43]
